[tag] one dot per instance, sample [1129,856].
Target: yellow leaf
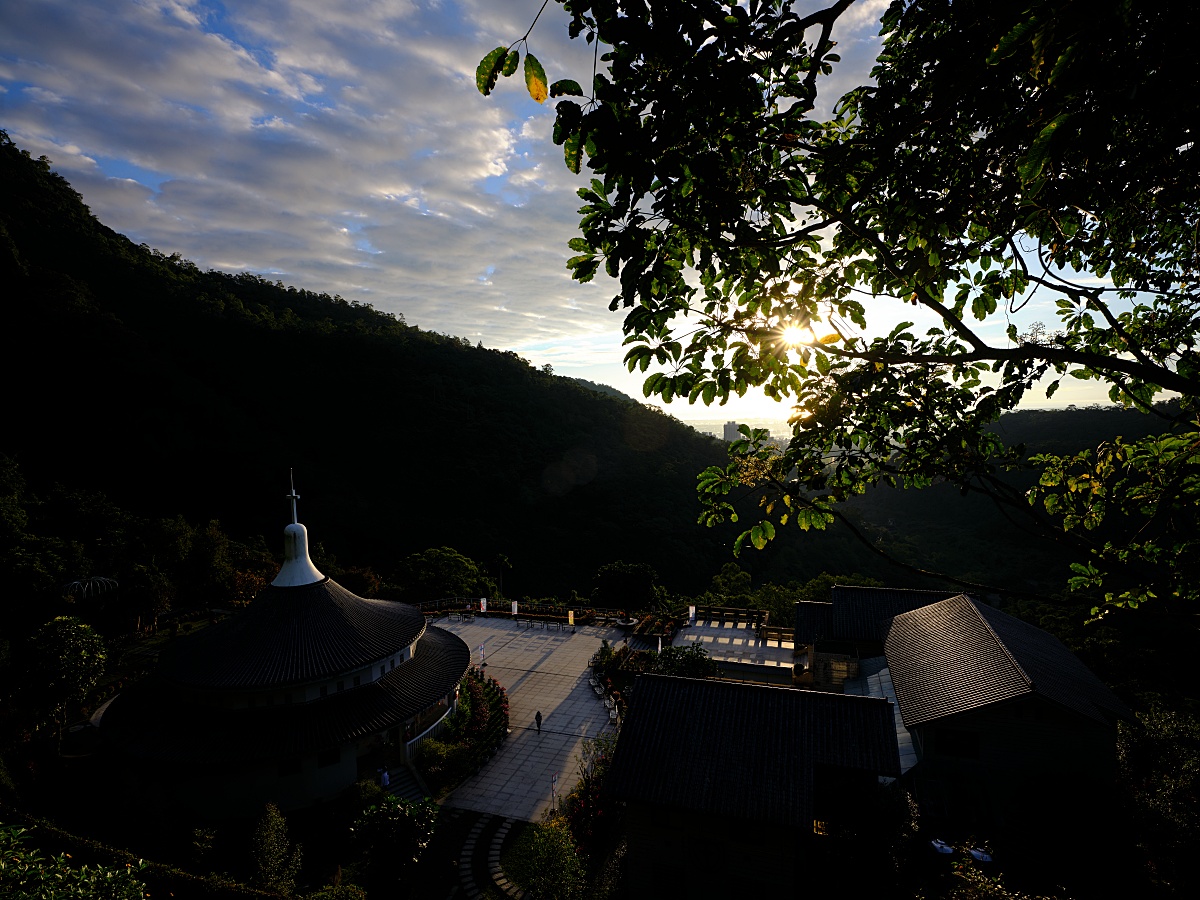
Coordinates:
[535,79]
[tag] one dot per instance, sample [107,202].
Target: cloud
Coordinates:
[338,145]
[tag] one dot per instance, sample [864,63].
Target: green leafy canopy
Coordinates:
[1001,155]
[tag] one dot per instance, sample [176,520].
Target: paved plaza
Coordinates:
[729,643]
[542,670]
[547,670]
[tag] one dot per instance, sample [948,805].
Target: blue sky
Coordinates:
[341,146]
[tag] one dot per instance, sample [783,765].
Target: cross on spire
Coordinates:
[293,496]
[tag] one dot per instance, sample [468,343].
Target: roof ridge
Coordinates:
[895,590]
[999,640]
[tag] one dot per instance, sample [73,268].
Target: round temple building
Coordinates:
[291,700]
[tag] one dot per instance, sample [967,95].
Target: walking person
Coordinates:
[538,719]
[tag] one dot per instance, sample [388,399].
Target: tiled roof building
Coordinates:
[290,701]
[1008,726]
[864,613]
[750,751]
[832,636]
[997,721]
[958,655]
[754,773]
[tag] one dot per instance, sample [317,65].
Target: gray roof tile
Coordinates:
[864,613]
[290,636]
[959,654]
[746,751]
[812,620]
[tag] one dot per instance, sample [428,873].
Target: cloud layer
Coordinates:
[338,145]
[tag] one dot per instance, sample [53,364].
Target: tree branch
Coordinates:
[970,585]
[1156,375]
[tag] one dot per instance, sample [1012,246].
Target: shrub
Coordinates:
[276,861]
[544,862]
[25,873]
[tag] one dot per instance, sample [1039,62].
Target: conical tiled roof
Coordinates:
[291,636]
[149,720]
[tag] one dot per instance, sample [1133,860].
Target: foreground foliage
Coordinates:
[394,835]
[762,232]
[25,874]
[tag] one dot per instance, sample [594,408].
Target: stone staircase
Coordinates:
[403,784]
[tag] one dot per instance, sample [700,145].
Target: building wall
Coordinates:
[673,853]
[310,692]
[999,765]
[228,791]
[740,859]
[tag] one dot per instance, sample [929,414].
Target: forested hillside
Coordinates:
[179,391]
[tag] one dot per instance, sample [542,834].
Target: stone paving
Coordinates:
[544,670]
[729,643]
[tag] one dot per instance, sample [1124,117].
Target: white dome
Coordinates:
[297,568]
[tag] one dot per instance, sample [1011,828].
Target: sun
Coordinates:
[793,335]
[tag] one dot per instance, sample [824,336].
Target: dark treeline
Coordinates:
[176,392]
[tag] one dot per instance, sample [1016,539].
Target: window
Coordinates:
[357,680]
[324,690]
[382,671]
[341,685]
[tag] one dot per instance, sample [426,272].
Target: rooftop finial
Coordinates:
[297,568]
[293,496]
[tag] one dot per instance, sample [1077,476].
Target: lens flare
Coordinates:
[794,335]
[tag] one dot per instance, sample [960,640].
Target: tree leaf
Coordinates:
[572,148]
[510,63]
[489,70]
[757,538]
[565,87]
[535,80]
[1008,43]
[1030,168]
[567,117]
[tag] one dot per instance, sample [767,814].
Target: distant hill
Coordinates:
[180,391]
[603,389]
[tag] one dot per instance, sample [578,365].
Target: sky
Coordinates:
[342,146]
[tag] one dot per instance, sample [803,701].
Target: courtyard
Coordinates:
[543,670]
